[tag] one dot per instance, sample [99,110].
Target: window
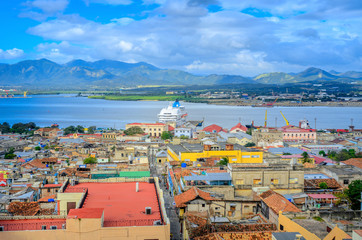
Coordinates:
[48,189]
[274,181]
[1,228]
[281,227]
[293,180]
[53,227]
[246,156]
[256,181]
[255,156]
[43,227]
[345,181]
[239,181]
[217,208]
[203,205]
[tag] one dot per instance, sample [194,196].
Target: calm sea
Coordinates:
[70,110]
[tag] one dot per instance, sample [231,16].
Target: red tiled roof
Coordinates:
[52,185]
[86,213]
[213,128]
[322,196]
[190,195]
[239,126]
[357,162]
[170,128]
[122,205]
[31,224]
[358,232]
[277,202]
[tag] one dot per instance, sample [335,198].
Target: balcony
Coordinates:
[244,186]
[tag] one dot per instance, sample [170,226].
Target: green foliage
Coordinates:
[224,161]
[90,160]
[133,131]
[140,97]
[249,144]
[319,219]
[306,158]
[37,148]
[322,153]
[249,131]
[166,135]
[10,154]
[323,185]
[79,129]
[184,137]
[46,147]
[343,155]
[354,194]
[18,127]
[287,153]
[70,129]
[92,129]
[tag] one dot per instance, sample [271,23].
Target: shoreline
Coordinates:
[229,102]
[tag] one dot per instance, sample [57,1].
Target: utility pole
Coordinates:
[315,123]
[276,120]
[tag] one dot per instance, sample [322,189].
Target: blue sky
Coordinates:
[199,36]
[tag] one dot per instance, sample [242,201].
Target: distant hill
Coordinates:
[308,75]
[101,74]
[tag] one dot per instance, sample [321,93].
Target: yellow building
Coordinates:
[187,152]
[152,129]
[310,229]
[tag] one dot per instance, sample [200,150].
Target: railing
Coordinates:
[129,223]
[76,190]
[85,194]
[16,226]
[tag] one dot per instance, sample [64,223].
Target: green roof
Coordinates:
[135,174]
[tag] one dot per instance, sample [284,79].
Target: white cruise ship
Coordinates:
[173,113]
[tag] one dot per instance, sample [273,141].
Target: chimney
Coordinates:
[136,186]
[148,210]
[300,124]
[207,147]
[229,147]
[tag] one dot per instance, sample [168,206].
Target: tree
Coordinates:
[37,148]
[322,153]
[342,155]
[92,129]
[323,185]
[224,161]
[90,160]
[133,131]
[306,158]
[166,135]
[249,131]
[10,154]
[249,144]
[79,129]
[70,129]
[5,127]
[354,194]
[352,153]
[286,153]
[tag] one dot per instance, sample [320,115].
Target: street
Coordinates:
[156,171]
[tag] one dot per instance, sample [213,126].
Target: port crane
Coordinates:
[286,121]
[265,121]
[272,104]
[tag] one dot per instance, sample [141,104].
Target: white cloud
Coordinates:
[11,53]
[123,21]
[187,36]
[49,6]
[110,2]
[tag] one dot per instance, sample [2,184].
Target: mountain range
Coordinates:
[45,74]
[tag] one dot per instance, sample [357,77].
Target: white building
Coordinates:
[184,131]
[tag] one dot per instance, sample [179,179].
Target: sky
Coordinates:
[246,37]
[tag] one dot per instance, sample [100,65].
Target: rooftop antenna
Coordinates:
[276,120]
[315,124]
[351,128]
[239,120]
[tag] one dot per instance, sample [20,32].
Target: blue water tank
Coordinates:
[183,165]
[51,200]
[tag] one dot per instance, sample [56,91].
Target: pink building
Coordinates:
[293,134]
